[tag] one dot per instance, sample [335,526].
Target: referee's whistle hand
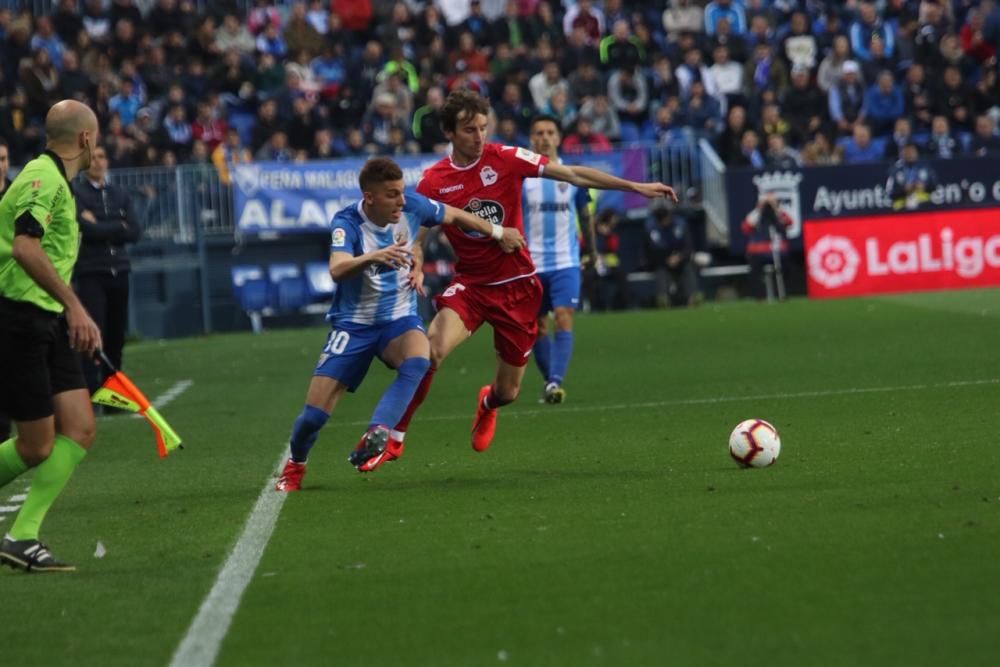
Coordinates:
[84,335]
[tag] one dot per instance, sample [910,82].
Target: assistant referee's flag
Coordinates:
[120,392]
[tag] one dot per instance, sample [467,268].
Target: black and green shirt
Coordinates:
[38,203]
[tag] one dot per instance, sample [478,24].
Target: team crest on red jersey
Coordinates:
[488,175]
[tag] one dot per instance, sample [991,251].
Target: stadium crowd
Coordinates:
[781,82]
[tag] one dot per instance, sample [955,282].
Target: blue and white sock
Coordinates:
[397,397]
[305,431]
[562,352]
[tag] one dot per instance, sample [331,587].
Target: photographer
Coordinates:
[101,278]
[911,180]
[765,228]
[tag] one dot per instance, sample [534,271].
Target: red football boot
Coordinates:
[485,426]
[393,451]
[373,444]
[291,477]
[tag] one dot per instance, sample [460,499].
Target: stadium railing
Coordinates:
[190,240]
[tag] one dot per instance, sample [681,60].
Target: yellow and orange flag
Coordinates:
[119,392]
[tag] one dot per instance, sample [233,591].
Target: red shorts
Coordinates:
[510,308]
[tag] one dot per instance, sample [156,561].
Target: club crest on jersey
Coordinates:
[488,175]
[488,210]
[563,186]
[400,236]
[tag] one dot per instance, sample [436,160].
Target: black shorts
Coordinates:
[36,361]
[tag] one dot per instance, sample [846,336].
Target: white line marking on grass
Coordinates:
[169,395]
[18,498]
[203,639]
[514,414]
[9,508]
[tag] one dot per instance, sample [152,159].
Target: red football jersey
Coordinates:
[490,188]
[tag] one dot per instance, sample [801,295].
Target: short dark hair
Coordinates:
[461,102]
[379,170]
[545,117]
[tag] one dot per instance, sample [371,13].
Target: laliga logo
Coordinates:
[833,261]
[247,178]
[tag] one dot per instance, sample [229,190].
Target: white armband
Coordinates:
[496,232]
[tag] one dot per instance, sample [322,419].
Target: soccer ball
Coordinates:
[754,443]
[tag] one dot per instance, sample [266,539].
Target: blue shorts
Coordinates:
[350,348]
[561,289]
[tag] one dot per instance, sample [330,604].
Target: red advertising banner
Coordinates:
[903,252]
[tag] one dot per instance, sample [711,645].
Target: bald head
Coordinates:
[66,120]
[71,131]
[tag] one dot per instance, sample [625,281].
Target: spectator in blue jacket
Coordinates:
[883,104]
[868,27]
[859,147]
[720,9]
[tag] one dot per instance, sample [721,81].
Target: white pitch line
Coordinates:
[203,639]
[19,498]
[169,395]
[9,508]
[516,414]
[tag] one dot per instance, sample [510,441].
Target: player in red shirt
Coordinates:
[489,285]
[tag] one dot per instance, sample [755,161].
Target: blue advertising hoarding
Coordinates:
[273,198]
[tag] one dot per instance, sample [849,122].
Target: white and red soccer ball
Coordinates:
[754,443]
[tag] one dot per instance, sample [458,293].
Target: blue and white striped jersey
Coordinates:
[378,294]
[550,222]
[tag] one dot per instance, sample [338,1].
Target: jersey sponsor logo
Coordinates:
[528,156]
[549,207]
[488,175]
[488,210]
[339,238]
[451,188]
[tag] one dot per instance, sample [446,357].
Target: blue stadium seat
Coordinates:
[288,287]
[251,291]
[254,296]
[241,273]
[318,281]
[292,294]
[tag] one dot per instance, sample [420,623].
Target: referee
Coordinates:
[4,186]
[41,324]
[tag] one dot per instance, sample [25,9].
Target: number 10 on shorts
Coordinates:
[337,342]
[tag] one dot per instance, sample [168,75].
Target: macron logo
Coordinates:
[451,188]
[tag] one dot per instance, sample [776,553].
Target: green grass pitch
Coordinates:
[611,530]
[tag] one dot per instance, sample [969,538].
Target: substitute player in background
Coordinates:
[490,286]
[552,212]
[374,310]
[42,322]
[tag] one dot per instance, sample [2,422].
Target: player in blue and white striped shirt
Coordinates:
[377,270]
[551,214]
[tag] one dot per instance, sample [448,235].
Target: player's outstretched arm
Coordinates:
[344,265]
[509,238]
[588,177]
